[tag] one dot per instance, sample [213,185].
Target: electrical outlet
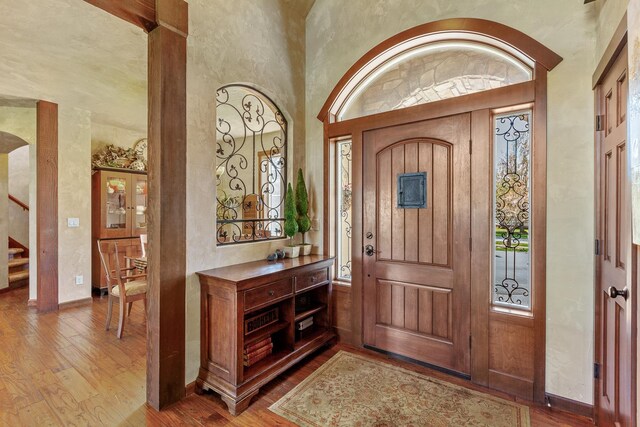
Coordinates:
[79,280]
[73,222]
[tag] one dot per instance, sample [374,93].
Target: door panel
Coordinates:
[616,318]
[416,287]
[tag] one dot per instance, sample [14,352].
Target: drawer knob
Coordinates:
[313,278]
[271,293]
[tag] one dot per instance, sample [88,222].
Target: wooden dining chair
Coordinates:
[143,245]
[123,286]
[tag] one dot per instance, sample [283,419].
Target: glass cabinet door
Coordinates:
[139,207]
[116,206]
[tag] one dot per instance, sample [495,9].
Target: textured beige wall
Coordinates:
[104,134]
[19,177]
[74,53]
[270,36]
[4,219]
[60,56]
[21,121]
[336,39]
[74,200]
[609,15]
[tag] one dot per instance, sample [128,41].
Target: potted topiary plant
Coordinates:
[290,223]
[302,205]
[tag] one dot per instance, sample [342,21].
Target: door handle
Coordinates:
[614,293]
[369,250]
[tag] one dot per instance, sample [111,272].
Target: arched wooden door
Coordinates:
[417,255]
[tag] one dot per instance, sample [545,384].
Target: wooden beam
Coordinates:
[47,205]
[167,209]
[141,13]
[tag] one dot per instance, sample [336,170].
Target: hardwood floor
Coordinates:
[63,368]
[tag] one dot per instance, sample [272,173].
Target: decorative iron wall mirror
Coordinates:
[251,174]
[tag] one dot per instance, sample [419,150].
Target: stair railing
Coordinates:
[19,202]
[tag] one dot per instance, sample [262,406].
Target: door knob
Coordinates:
[613,292]
[369,250]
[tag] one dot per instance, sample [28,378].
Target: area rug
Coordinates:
[353,390]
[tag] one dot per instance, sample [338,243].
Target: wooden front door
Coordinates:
[614,287]
[417,260]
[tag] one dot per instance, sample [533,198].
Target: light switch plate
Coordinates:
[79,280]
[73,222]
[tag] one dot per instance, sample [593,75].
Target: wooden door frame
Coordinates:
[166,22]
[613,49]
[533,91]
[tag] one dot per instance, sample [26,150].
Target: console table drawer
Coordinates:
[310,279]
[267,293]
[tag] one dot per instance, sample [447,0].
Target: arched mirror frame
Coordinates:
[483,107]
[265,133]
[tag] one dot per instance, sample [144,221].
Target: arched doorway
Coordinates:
[445,129]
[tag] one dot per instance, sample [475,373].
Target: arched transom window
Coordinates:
[430,68]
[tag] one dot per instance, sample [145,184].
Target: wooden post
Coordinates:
[47,205]
[167,205]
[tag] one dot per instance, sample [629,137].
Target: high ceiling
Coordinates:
[75,54]
[70,52]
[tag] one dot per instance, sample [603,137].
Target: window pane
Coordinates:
[511,272]
[343,202]
[251,166]
[433,72]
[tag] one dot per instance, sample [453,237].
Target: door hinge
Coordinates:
[597,247]
[470,146]
[596,370]
[470,342]
[599,122]
[470,244]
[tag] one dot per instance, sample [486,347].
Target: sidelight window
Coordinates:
[343,203]
[251,173]
[512,225]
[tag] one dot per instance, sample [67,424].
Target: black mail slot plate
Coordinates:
[412,190]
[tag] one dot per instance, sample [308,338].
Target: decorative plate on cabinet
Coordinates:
[141,148]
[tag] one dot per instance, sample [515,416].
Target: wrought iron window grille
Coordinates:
[512,284]
[251,174]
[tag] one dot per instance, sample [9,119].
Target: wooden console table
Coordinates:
[284,293]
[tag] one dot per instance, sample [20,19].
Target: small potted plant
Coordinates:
[290,223]
[302,205]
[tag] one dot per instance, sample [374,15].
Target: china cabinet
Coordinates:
[119,213]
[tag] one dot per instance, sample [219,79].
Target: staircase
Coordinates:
[18,268]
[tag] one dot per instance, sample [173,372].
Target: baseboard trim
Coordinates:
[75,303]
[190,389]
[569,405]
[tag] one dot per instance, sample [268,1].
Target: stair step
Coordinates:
[19,275]
[17,262]
[14,251]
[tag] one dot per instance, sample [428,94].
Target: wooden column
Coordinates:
[167,205]
[47,205]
